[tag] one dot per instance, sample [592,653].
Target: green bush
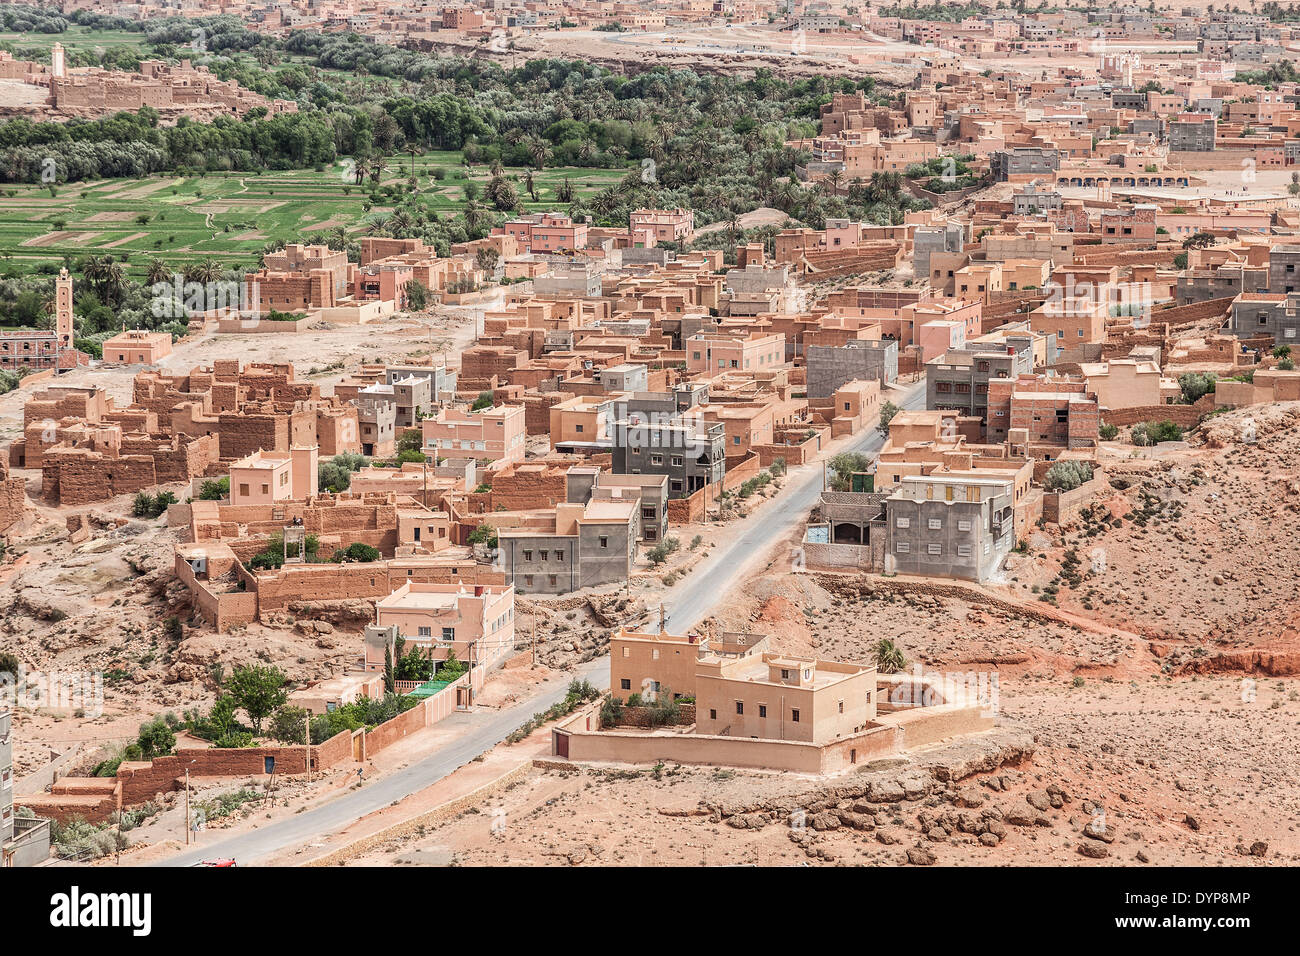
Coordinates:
[1151,433]
[215,490]
[1108,432]
[358,553]
[1067,475]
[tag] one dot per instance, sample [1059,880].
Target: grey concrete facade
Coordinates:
[690,452]
[959,379]
[935,529]
[831,367]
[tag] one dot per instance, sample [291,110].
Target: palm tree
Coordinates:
[377,167]
[539,151]
[587,149]
[157,271]
[362,168]
[378,226]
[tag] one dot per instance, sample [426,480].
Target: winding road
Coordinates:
[686,605]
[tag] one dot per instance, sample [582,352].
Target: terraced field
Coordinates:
[231,216]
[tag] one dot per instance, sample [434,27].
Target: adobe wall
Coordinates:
[74,476]
[897,733]
[1185,416]
[13,500]
[1063,506]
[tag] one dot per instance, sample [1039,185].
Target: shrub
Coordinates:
[889,657]
[358,553]
[1150,433]
[611,711]
[484,400]
[215,490]
[1195,386]
[1067,475]
[288,725]
[484,534]
[1108,432]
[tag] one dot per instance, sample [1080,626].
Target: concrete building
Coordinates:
[24,841]
[1023,161]
[1192,133]
[136,347]
[576,546]
[950,526]
[690,451]
[863,360]
[1275,314]
[583,484]
[959,379]
[769,696]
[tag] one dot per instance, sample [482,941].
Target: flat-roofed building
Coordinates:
[474,621]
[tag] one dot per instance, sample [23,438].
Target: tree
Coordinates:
[259,691]
[414,665]
[288,725]
[843,466]
[451,669]
[157,737]
[887,413]
[1107,432]
[484,400]
[417,295]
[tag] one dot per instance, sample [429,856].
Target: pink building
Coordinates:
[545,232]
[666,225]
[712,353]
[264,478]
[493,434]
[476,622]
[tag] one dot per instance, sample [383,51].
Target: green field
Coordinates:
[231,216]
[74,38]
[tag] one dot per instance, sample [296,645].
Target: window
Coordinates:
[578,429]
[762,710]
[625,684]
[841,707]
[654,654]
[740,707]
[424,632]
[794,716]
[528,554]
[626,652]
[713,714]
[528,580]
[604,541]
[545,554]
[902,547]
[963,550]
[935,524]
[963,525]
[935,549]
[448,633]
[553,580]
[903,522]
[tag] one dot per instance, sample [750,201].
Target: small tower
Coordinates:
[58,66]
[63,309]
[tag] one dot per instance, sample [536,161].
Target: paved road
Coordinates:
[714,577]
[692,601]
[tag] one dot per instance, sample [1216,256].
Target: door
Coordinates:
[561,744]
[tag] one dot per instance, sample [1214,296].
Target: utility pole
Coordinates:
[306,725]
[534,635]
[187,806]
